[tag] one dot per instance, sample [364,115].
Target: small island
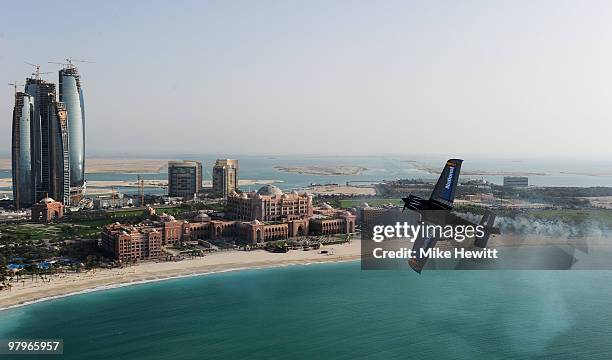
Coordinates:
[323,170]
[435,170]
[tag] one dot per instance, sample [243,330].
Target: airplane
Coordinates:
[438,210]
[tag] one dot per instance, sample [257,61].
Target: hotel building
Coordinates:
[129,243]
[269,203]
[184,178]
[225,177]
[295,223]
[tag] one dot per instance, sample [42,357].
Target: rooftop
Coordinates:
[269,190]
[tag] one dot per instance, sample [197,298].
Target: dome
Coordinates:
[244,196]
[326,206]
[269,190]
[255,222]
[46,200]
[365,205]
[201,216]
[165,217]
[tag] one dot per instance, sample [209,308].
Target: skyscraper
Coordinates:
[49,143]
[59,153]
[23,180]
[71,94]
[225,177]
[43,94]
[184,178]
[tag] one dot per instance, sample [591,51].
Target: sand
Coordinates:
[604,202]
[435,170]
[6,183]
[341,190]
[64,284]
[323,170]
[101,165]
[5,163]
[130,166]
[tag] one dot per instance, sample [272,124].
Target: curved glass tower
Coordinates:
[43,94]
[22,146]
[71,94]
[59,153]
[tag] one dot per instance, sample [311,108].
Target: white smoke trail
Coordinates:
[522,225]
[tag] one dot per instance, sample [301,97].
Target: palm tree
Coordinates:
[3,279]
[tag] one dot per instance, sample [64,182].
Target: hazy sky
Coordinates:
[329,77]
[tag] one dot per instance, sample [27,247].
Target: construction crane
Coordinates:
[113,197]
[69,62]
[15,85]
[37,72]
[141,190]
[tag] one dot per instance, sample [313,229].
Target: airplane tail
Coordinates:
[488,220]
[444,192]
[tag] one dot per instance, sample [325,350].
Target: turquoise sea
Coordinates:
[551,172]
[334,311]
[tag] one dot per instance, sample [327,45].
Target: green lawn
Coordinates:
[47,232]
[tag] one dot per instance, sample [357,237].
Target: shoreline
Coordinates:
[64,285]
[28,292]
[160,279]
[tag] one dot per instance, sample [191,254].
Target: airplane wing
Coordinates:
[421,245]
[488,220]
[454,219]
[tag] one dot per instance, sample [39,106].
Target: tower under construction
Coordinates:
[23,179]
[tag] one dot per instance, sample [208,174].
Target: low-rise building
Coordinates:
[111,201]
[516,181]
[372,216]
[47,210]
[343,222]
[140,242]
[129,243]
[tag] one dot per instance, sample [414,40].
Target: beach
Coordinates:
[69,283]
[64,284]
